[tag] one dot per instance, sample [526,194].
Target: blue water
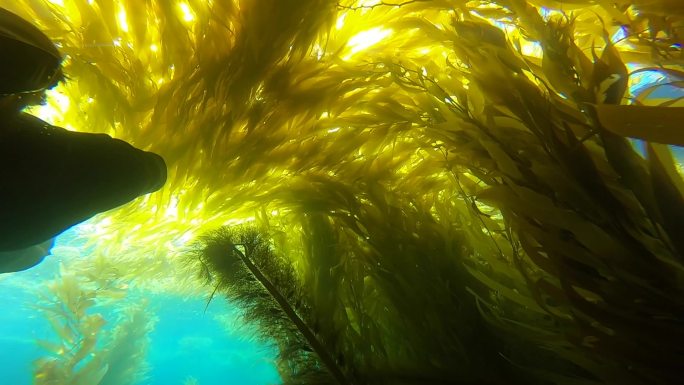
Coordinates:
[189,342]
[186,342]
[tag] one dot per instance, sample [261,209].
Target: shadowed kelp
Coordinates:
[333,328]
[241,264]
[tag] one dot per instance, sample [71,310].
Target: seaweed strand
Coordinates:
[303,328]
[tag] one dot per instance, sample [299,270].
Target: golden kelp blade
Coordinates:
[650,123]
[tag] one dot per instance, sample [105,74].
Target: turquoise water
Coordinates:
[186,342]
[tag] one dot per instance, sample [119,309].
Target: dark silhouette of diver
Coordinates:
[52,178]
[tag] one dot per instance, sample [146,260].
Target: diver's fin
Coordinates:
[22,259]
[30,60]
[52,178]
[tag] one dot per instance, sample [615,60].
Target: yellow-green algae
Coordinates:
[448,179]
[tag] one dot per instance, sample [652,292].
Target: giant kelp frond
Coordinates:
[126,348]
[249,94]
[72,360]
[242,265]
[385,306]
[605,257]
[84,352]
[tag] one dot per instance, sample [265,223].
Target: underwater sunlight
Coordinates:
[342,192]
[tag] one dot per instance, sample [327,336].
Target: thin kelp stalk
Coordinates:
[303,328]
[243,265]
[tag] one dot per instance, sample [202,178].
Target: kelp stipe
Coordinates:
[240,263]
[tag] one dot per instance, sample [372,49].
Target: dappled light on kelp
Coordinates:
[452,186]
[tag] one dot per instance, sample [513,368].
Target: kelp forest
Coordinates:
[393,192]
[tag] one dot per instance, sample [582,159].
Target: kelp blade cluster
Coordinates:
[449,181]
